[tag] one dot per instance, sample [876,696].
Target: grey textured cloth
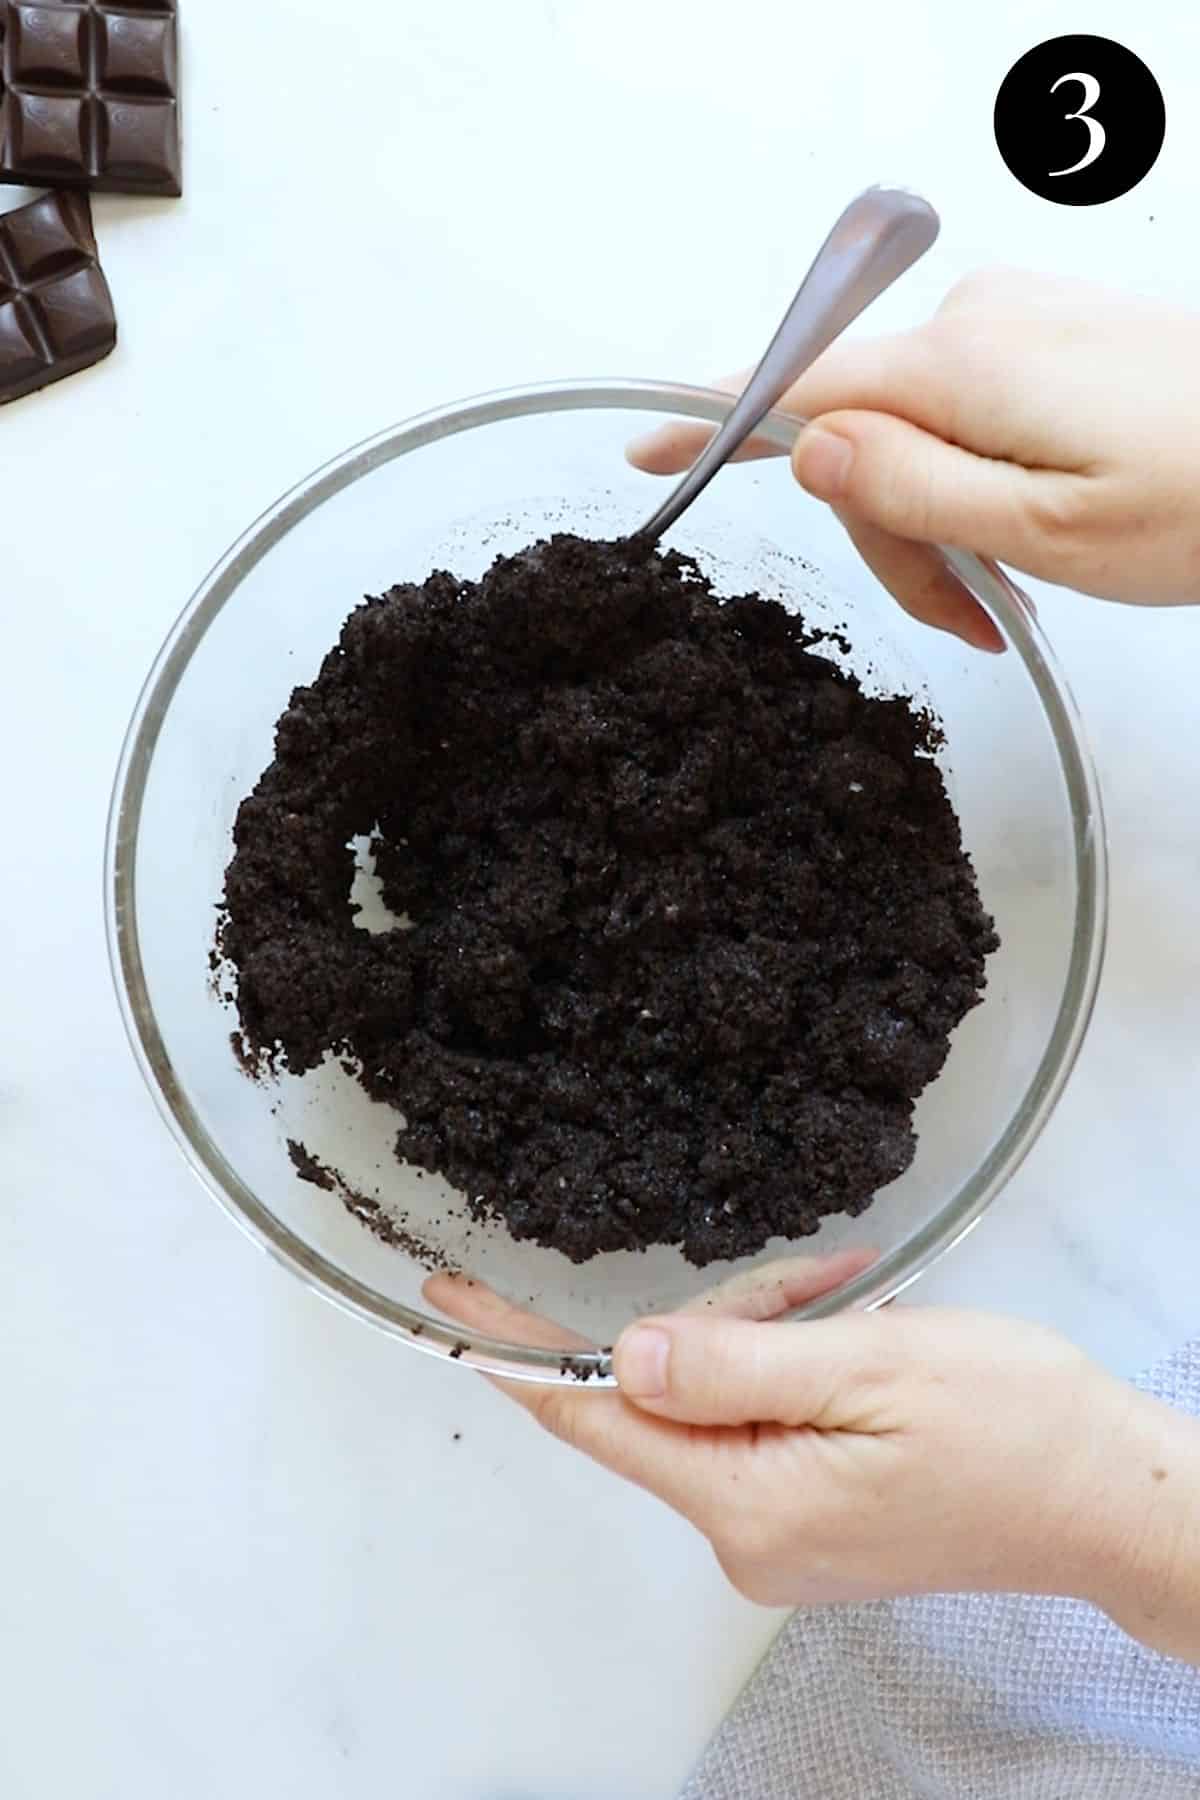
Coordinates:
[965,1697]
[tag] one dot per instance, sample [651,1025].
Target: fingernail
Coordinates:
[985,634]
[821,461]
[642,1362]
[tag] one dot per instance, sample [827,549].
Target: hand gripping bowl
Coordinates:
[454,489]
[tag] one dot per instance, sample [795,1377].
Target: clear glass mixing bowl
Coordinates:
[454,489]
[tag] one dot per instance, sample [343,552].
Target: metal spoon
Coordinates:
[878,237]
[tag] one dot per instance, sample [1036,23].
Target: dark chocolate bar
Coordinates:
[56,313]
[89,95]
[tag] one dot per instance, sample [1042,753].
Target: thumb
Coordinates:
[917,486]
[715,1371]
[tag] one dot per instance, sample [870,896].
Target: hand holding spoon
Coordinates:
[880,235]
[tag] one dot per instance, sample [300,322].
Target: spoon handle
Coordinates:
[880,235]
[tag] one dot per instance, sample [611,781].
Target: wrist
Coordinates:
[1140,1560]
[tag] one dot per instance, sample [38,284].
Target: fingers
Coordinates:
[918,578]
[899,373]
[904,374]
[674,447]
[888,473]
[706,1371]
[653,1453]
[779,1287]
[481,1309]
[759,1293]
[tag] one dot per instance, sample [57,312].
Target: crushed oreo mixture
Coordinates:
[684,921]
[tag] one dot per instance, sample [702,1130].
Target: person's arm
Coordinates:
[906,1451]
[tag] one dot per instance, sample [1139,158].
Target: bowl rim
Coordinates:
[897,1268]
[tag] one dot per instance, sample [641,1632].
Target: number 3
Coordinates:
[1096,135]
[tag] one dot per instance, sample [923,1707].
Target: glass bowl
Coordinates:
[453,489]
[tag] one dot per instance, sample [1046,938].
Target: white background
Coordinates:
[240,1550]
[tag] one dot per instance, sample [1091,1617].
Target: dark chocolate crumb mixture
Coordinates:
[688,921]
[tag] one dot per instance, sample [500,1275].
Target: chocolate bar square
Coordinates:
[46,132]
[56,313]
[47,47]
[89,95]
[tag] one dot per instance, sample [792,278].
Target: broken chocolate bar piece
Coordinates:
[89,95]
[56,313]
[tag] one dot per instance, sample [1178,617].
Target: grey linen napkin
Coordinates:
[965,1697]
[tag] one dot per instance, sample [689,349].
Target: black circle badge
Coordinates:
[1080,120]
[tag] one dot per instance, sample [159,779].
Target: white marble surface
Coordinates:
[241,1550]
